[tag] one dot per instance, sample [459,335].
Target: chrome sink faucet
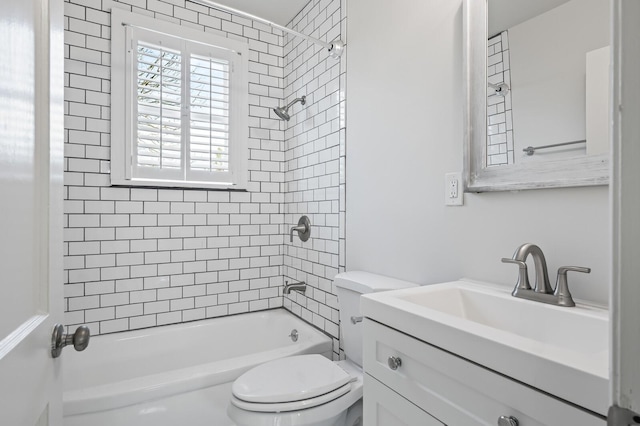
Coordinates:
[542,291]
[540,263]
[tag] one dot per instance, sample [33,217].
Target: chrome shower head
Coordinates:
[283,112]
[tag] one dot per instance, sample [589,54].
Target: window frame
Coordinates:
[127,27]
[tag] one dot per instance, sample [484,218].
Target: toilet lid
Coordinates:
[290,379]
[281,407]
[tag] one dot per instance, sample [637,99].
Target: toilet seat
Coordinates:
[289,384]
[330,413]
[281,407]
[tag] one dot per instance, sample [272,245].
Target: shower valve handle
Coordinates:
[303,229]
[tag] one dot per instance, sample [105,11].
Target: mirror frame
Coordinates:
[567,172]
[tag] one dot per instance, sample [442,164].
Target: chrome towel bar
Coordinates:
[530,150]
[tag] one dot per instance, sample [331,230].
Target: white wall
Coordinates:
[548,68]
[404,132]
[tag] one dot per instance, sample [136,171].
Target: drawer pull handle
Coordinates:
[394,362]
[507,421]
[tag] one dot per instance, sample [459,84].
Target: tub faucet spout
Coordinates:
[300,287]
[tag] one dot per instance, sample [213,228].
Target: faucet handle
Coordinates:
[562,286]
[565,269]
[523,275]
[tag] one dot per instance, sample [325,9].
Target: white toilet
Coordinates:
[310,390]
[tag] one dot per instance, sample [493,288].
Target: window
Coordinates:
[179,106]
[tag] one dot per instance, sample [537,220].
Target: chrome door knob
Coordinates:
[507,421]
[79,339]
[394,362]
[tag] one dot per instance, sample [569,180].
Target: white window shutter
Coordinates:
[158,141]
[209,110]
[184,99]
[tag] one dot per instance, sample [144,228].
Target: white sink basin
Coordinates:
[562,351]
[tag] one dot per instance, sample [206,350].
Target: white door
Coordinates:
[31,136]
[625,188]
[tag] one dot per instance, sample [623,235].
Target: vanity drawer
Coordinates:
[458,392]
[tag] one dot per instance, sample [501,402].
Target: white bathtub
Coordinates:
[135,367]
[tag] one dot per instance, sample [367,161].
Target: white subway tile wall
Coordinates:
[499,112]
[315,159]
[144,257]
[137,257]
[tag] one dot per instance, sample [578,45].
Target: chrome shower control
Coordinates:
[394,362]
[303,229]
[79,339]
[507,421]
[355,320]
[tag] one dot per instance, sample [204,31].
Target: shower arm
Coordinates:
[335,48]
[302,100]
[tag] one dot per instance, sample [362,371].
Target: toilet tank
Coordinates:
[349,287]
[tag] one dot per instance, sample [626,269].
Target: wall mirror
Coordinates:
[537,94]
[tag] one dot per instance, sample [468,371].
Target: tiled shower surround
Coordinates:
[314,178]
[144,257]
[499,110]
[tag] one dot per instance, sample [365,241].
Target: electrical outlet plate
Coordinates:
[453,194]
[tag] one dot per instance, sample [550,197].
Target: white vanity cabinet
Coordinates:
[433,387]
[384,406]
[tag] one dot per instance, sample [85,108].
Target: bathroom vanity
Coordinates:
[435,355]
